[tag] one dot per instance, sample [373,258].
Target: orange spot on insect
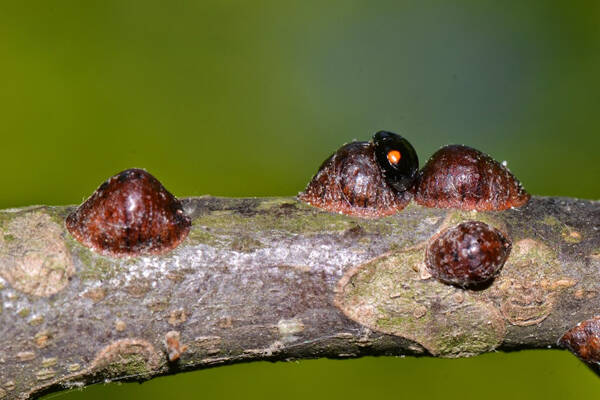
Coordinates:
[394,157]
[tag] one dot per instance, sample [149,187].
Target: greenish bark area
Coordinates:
[275,279]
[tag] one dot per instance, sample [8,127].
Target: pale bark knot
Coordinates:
[525,298]
[387,295]
[130,358]
[33,256]
[126,357]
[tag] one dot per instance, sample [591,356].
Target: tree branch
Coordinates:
[275,279]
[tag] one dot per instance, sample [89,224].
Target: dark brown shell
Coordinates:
[467,254]
[351,182]
[464,178]
[130,214]
[583,340]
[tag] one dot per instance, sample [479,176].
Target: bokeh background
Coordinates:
[246,98]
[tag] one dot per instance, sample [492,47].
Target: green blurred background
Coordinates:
[246,98]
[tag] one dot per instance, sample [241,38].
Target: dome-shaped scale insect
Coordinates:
[462,177]
[584,341]
[366,179]
[130,214]
[467,254]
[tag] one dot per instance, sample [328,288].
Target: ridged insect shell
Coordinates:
[465,178]
[468,254]
[130,214]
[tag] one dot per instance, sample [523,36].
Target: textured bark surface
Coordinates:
[275,279]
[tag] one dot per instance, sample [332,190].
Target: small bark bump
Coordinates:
[173,346]
[35,260]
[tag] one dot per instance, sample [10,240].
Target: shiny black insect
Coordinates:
[397,159]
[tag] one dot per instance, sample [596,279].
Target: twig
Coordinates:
[275,279]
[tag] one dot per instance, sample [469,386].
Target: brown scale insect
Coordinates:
[130,214]
[583,340]
[365,179]
[462,177]
[468,254]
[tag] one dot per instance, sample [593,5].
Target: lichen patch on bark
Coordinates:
[33,256]
[388,295]
[291,216]
[567,233]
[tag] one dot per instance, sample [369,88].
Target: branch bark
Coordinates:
[275,279]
